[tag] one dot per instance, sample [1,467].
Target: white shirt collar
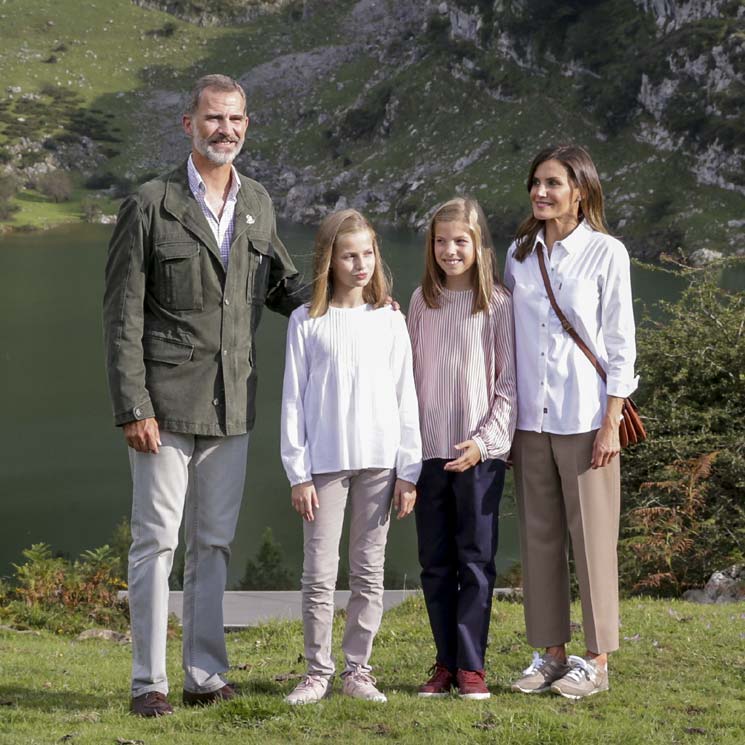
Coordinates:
[575,241]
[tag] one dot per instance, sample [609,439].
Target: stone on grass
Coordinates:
[704,256]
[106,634]
[726,586]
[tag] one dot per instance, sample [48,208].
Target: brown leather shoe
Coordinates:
[226,693]
[152,704]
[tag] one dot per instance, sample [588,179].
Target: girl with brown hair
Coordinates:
[460,322]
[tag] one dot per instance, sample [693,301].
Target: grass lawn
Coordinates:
[678,678]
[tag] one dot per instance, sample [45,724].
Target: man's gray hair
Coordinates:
[220,83]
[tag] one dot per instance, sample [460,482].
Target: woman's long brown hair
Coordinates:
[583,176]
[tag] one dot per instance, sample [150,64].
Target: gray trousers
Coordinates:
[560,497]
[200,478]
[369,493]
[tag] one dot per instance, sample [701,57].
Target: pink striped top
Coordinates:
[464,370]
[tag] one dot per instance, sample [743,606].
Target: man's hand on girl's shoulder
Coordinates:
[393,303]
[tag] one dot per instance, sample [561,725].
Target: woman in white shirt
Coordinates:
[350,439]
[566,447]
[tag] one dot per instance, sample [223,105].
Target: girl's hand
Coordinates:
[404,497]
[305,500]
[469,458]
[607,445]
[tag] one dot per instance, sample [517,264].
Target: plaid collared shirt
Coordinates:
[222,228]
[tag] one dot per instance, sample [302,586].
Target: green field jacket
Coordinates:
[178,328]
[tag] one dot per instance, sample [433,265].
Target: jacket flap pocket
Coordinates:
[160,349]
[176,250]
[260,243]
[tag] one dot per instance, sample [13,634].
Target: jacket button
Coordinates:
[138,412]
[227,302]
[216,401]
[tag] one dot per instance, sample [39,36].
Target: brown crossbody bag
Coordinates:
[631,428]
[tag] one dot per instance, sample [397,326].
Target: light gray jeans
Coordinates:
[369,493]
[200,478]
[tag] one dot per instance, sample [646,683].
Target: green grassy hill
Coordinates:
[392,107]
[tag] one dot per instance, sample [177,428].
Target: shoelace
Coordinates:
[535,664]
[439,671]
[361,676]
[580,669]
[310,680]
[471,676]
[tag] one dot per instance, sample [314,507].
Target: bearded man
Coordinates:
[193,259]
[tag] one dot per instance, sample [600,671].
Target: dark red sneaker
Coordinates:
[471,684]
[152,704]
[440,682]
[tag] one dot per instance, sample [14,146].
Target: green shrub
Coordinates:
[91,209]
[51,592]
[684,488]
[361,122]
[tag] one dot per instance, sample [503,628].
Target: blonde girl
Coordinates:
[350,437]
[460,322]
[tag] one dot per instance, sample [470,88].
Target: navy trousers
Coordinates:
[457,522]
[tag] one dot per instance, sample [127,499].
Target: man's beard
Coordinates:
[218,157]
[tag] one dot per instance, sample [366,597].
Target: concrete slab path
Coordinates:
[241,609]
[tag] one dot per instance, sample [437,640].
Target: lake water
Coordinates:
[64,477]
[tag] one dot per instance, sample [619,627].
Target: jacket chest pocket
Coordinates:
[258,270]
[179,275]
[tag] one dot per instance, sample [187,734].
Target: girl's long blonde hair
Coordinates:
[375,292]
[583,176]
[468,211]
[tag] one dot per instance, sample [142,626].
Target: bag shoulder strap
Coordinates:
[564,320]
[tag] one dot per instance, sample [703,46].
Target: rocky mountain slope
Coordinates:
[392,106]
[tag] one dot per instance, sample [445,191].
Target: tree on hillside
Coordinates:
[684,488]
[56,185]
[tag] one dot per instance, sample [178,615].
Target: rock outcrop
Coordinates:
[726,586]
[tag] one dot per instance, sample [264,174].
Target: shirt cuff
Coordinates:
[409,472]
[621,388]
[482,447]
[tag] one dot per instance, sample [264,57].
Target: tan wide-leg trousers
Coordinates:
[369,493]
[560,496]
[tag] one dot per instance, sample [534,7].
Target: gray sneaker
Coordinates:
[584,679]
[360,684]
[540,674]
[310,690]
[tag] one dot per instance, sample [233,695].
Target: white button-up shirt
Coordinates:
[558,389]
[221,227]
